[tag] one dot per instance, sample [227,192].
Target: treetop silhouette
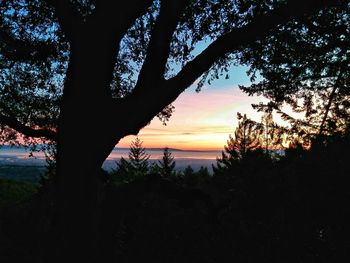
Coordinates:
[167,164]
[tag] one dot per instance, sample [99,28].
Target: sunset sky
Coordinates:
[203,120]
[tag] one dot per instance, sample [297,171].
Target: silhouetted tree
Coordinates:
[87,73]
[194,179]
[189,176]
[203,175]
[188,171]
[304,64]
[136,165]
[273,135]
[138,158]
[166,164]
[203,172]
[154,168]
[244,159]
[122,173]
[247,137]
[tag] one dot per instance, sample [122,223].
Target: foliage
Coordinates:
[33,61]
[249,139]
[247,136]
[138,158]
[274,136]
[304,64]
[37,46]
[166,164]
[136,165]
[12,192]
[189,177]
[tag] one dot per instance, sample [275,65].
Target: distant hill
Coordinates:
[148,149]
[161,149]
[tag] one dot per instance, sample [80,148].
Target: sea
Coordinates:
[14,158]
[183,158]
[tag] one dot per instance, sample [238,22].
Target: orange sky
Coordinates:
[204,120]
[201,120]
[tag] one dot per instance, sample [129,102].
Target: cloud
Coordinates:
[201,120]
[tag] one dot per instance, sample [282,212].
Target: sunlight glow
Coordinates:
[201,121]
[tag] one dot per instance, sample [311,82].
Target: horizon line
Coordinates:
[171,149]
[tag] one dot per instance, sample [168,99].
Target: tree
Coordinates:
[247,137]
[138,158]
[84,74]
[189,177]
[136,165]
[203,175]
[246,152]
[122,172]
[273,135]
[305,64]
[166,164]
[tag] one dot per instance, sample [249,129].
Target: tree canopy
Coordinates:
[305,64]
[152,53]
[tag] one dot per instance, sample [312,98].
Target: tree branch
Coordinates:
[13,123]
[95,47]
[18,50]
[153,68]
[260,27]
[23,50]
[238,37]
[114,18]
[68,17]
[337,86]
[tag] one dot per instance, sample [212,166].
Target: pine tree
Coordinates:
[203,175]
[247,138]
[189,177]
[123,165]
[230,157]
[136,165]
[138,158]
[166,164]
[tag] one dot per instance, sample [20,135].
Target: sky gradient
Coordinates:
[204,120]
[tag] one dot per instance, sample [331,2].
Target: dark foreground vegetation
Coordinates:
[255,208]
[22,173]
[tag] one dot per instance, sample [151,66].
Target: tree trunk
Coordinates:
[75,222]
[84,142]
